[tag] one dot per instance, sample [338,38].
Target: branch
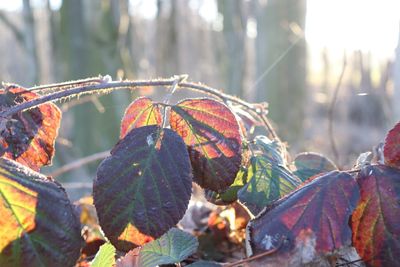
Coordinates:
[79,163]
[332,109]
[106,86]
[258,256]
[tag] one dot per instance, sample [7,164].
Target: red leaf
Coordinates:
[211,132]
[391,149]
[320,208]
[141,112]
[29,136]
[375,221]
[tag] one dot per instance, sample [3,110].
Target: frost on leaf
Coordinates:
[143,188]
[211,132]
[28,136]
[320,208]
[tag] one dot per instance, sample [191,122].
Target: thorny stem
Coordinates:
[106,86]
[178,79]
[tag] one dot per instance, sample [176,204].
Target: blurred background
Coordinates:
[290,53]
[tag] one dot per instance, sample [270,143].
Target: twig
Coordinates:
[78,163]
[77,185]
[178,79]
[71,84]
[258,256]
[107,86]
[331,112]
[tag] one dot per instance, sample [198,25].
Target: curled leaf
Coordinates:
[141,112]
[211,132]
[144,187]
[38,226]
[375,221]
[28,136]
[320,211]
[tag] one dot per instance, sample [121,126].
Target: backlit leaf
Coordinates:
[229,195]
[272,150]
[391,149]
[211,132]
[143,188]
[266,183]
[105,257]
[376,220]
[28,137]
[141,112]
[38,226]
[320,209]
[309,164]
[174,246]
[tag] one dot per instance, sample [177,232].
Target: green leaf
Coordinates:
[274,151]
[309,164]
[229,195]
[38,226]
[105,257]
[174,246]
[143,188]
[211,132]
[267,183]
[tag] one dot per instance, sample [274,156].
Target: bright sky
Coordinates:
[368,25]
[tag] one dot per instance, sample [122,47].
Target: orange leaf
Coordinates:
[211,132]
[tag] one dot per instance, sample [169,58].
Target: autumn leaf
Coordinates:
[375,221]
[391,149]
[143,188]
[141,112]
[211,132]
[38,226]
[28,136]
[319,210]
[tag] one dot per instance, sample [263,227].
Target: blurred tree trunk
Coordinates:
[86,45]
[284,86]
[30,43]
[396,74]
[234,29]
[167,59]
